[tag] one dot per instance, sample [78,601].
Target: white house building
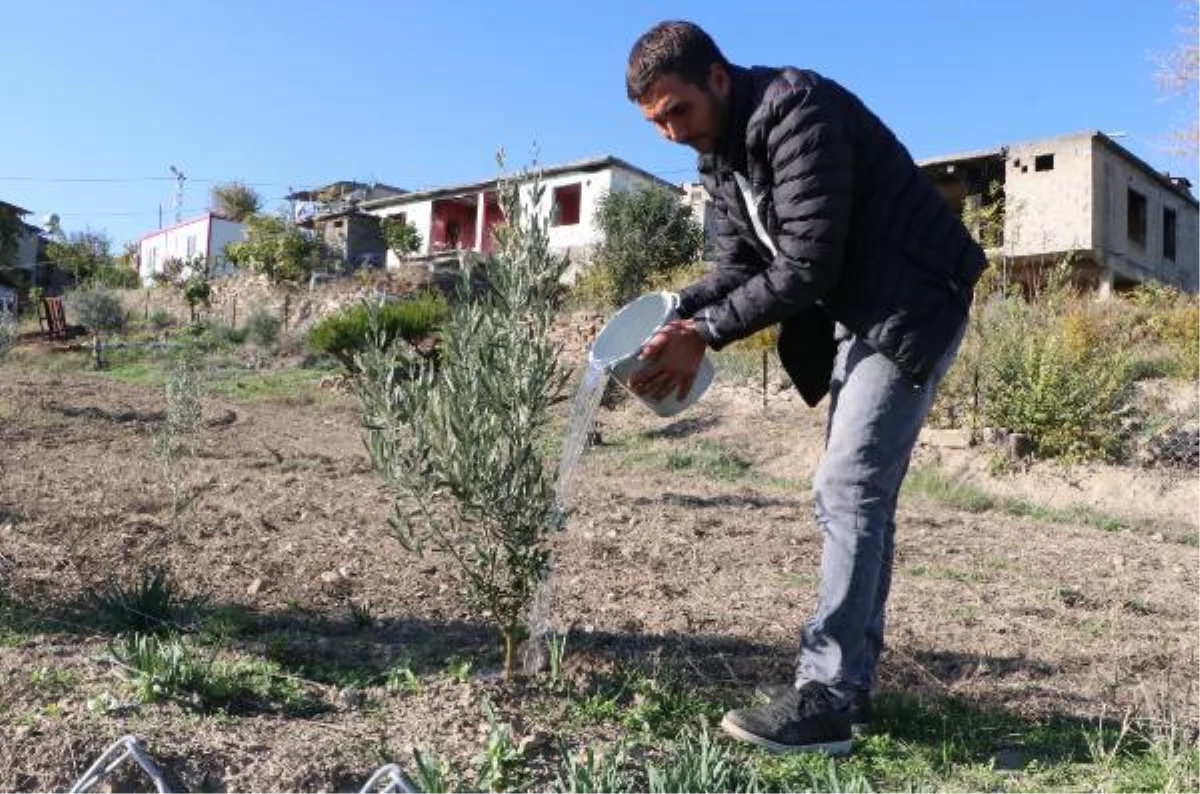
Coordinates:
[1081,195]
[461,217]
[203,237]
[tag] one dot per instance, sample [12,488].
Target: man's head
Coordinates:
[680,81]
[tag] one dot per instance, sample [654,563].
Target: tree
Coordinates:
[82,254]
[235,200]
[459,441]
[401,236]
[100,311]
[646,232]
[274,247]
[1178,74]
[196,292]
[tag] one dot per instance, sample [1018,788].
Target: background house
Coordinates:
[461,217]
[1083,195]
[333,212]
[203,237]
[21,267]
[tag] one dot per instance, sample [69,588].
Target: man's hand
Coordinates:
[675,352]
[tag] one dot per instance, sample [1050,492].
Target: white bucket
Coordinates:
[618,344]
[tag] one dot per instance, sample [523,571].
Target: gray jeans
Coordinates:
[874,418]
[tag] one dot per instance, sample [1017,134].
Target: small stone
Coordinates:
[330,577]
[255,587]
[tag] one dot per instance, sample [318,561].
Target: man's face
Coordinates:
[686,113]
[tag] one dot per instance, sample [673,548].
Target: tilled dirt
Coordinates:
[664,563]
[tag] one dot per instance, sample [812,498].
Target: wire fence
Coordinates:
[129,751]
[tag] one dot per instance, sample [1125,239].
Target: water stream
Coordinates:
[579,434]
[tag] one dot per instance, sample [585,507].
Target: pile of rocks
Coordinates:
[1175,447]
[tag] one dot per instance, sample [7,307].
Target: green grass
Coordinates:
[933,483]
[710,459]
[687,457]
[171,667]
[225,375]
[285,386]
[944,744]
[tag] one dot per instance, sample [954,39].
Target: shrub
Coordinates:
[647,234]
[197,291]
[277,249]
[1051,369]
[348,333]
[100,311]
[117,277]
[160,319]
[401,236]
[263,327]
[459,444]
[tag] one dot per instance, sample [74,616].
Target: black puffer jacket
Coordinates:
[854,231]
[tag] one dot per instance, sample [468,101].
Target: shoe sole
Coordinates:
[828,748]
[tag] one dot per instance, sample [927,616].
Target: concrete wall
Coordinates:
[1127,259]
[1049,211]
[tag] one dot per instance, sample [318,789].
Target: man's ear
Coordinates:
[719,81]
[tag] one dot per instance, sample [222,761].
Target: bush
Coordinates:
[348,333]
[118,277]
[160,319]
[647,235]
[1055,370]
[197,291]
[459,444]
[97,309]
[263,327]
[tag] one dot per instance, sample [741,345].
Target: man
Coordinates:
[826,227]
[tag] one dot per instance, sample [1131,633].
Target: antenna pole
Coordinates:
[179,180]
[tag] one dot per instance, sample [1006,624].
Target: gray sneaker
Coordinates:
[860,706]
[798,721]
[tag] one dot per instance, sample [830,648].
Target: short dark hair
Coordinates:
[673,47]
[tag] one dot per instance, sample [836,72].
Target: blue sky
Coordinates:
[417,93]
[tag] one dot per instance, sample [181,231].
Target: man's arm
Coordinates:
[737,262]
[812,166]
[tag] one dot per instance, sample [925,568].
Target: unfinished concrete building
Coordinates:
[1082,196]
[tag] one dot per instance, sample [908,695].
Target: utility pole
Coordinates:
[179,180]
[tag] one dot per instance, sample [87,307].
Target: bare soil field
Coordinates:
[692,553]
